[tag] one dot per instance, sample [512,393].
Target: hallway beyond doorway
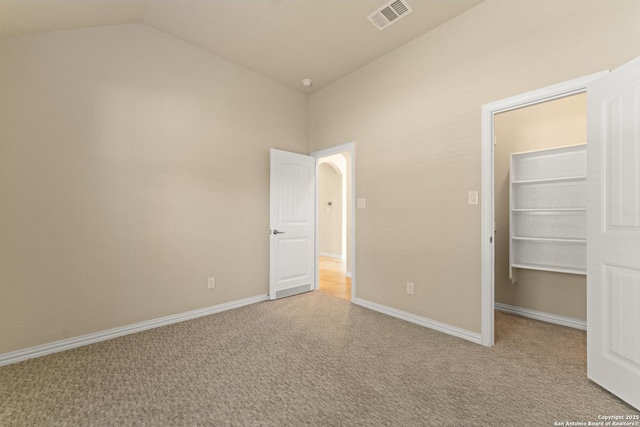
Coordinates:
[332,278]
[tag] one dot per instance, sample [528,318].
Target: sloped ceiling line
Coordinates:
[286,40]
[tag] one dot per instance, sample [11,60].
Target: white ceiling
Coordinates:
[287,40]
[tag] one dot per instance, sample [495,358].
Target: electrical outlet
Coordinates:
[410,288]
[211,283]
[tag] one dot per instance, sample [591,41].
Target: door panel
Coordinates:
[622,148]
[293,258]
[292,224]
[621,293]
[293,193]
[613,232]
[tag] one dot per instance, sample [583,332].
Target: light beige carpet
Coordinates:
[310,360]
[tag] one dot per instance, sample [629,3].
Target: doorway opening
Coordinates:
[541,133]
[335,221]
[489,112]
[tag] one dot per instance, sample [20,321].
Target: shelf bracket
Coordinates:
[513,275]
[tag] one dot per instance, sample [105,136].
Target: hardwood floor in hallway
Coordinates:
[332,278]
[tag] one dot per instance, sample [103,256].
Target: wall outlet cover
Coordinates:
[410,288]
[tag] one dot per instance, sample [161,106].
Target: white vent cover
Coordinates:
[389,14]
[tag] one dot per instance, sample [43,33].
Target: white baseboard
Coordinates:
[545,317]
[67,344]
[422,321]
[328,255]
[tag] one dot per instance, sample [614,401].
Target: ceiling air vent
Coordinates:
[389,14]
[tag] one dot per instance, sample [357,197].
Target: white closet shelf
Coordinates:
[553,210]
[550,239]
[548,210]
[554,268]
[551,180]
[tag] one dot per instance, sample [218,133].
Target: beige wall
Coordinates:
[329,217]
[551,124]
[415,117]
[132,167]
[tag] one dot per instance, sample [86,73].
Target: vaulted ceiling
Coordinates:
[286,40]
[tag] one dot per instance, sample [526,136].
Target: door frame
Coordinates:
[487,226]
[351,148]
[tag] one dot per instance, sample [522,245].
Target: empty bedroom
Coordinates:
[163,211]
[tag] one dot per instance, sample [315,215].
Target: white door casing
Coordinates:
[613,232]
[292,224]
[487,202]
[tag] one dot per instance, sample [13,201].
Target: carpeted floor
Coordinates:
[310,360]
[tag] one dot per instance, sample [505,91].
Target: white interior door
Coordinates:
[292,225]
[613,235]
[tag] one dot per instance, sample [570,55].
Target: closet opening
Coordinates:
[540,212]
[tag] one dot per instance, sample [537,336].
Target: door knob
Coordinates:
[278,232]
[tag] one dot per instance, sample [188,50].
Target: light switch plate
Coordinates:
[362,203]
[473,197]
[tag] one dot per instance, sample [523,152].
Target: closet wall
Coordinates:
[552,124]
